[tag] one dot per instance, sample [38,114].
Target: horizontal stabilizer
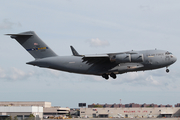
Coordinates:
[28,34]
[21,34]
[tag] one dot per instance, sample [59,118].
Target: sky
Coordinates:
[91,27]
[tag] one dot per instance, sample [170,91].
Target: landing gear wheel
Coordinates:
[167,70]
[113,75]
[105,76]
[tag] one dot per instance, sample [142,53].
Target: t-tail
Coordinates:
[33,44]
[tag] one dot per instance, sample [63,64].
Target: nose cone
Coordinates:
[174,59]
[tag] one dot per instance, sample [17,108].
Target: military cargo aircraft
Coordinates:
[104,65]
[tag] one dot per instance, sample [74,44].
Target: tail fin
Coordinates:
[33,44]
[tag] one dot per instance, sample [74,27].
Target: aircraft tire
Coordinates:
[113,75]
[167,70]
[105,76]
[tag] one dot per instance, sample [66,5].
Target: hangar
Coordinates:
[22,109]
[21,112]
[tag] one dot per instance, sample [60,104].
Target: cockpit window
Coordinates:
[168,53]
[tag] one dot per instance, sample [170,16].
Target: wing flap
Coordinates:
[97,56]
[93,59]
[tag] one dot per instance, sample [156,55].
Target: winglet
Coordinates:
[75,53]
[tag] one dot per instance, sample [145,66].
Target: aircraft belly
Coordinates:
[75,65]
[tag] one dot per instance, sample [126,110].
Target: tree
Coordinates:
[97,106]
[15,118]
[31,117]
[69,114]
[9,118]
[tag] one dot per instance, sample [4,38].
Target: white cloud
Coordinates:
[152,81]
[55,72]
[14,74]
[6,24]
[145,7]
[157,79]
[2,73]
[98,43]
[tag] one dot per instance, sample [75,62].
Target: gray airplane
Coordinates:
[104,65]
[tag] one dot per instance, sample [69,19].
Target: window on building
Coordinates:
[26,116]
[20,117]
[62,110]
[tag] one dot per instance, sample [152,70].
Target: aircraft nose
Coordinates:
[174,59]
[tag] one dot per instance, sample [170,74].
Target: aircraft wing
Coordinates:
[92,59]
[101,58]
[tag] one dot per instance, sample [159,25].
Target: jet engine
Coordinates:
[126,58]
[137,58]
[122,58]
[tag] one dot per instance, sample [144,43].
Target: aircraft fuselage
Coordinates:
[152,59]
[105,65]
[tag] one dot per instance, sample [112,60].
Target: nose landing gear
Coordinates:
[167,70]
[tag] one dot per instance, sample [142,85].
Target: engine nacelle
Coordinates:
[123,58]
[137,58]
[126,58]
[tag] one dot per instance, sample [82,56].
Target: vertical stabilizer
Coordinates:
[33,44]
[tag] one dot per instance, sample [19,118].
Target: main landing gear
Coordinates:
[106,76]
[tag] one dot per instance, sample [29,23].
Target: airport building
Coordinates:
[39,109]
[131,110]
[21,112]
